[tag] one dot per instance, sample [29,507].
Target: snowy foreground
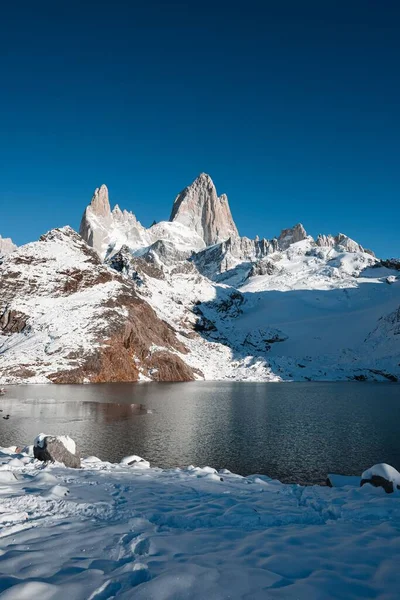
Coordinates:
[118,531]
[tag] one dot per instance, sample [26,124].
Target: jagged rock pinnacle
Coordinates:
[100,203]
[291,236]
[199,208]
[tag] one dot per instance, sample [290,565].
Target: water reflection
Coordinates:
[296,432]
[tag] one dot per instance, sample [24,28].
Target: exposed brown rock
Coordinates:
[121,327]
[164,366]
[12,321]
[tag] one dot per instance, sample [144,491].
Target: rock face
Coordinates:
[108,230]
[390,263]
[57,449]
[237,252]
[67,318]
[100,226]
[291,236]
[199,208]
[6,246]
[341,242]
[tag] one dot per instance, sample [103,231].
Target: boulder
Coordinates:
[135,461]
[336,481]
[57,449]
[391,279]
[382,475]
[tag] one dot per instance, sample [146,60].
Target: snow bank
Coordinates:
[112,531]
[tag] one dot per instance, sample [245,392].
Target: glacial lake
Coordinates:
[296,432]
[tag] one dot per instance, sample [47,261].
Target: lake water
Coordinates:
[296,432]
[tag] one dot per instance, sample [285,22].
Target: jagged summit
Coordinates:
[291,236]
[341,241]
[200,208]
[100,204]
[6,246]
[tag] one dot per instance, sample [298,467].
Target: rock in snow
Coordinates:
[382,475]
[135,461]
[61,448]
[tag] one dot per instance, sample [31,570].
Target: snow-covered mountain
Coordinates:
[67,318]
[289,308]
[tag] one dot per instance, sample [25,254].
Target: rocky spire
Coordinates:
[100,204]
[199,208]
[96,220]
[291,236]
[6,246]
[106,230]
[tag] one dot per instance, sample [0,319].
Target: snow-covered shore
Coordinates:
[117,531]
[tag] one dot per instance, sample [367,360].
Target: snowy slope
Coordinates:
[66,317]
[113,531]
[321,313]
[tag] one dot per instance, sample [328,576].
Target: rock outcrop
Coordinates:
[341,242]
[291,236]
[6,246]
[108,230]
[390,263]
[62,449]
[382,475]
[199,208]
[67,318]
[217,260]
[103,228]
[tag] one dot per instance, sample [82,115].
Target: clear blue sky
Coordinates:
[293,108]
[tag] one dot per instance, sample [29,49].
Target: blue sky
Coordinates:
[292,107]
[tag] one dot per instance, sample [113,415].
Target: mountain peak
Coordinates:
[342,242]
[199,208]
[100,203]
[294,234]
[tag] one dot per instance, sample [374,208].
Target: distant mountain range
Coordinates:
[190,298]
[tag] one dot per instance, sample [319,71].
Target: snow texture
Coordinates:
[116,531]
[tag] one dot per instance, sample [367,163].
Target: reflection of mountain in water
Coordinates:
[111,412]
[295,432]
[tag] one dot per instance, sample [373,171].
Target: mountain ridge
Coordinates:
[126,302]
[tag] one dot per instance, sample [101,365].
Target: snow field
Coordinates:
[117,531]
